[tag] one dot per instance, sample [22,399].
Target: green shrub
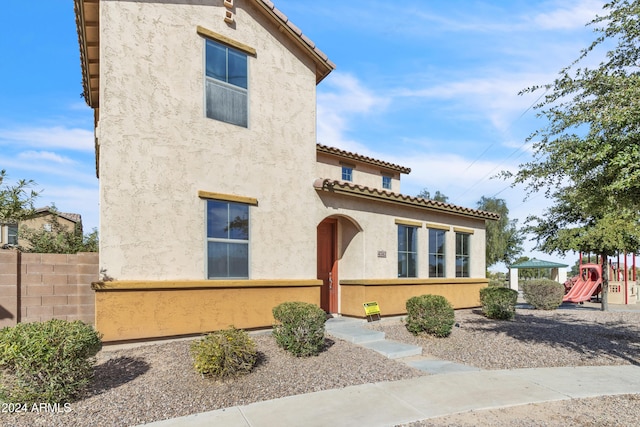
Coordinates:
[498,283]
[498,303]
[300,328]
[224,354]
[431,314]
[46,362]
[543,294]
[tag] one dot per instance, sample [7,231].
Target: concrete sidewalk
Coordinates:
[405,401]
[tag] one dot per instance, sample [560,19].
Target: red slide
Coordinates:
[586,284]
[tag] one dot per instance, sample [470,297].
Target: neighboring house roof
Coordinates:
[538,263]
[88,26]
[73,217]
[355,156]
[342,187]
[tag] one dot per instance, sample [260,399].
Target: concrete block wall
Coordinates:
[38,287]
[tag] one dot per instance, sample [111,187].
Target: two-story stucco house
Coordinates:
[217,203]
[42,218]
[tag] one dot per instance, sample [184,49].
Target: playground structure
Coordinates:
[622,286]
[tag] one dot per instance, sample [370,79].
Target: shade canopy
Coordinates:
[538,263]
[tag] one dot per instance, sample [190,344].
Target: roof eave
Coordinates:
[400,199]
[324,66]
[87,23]
[358,157]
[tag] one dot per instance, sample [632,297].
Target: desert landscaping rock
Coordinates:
[154,382]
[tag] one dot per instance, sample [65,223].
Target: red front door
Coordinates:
[328,265]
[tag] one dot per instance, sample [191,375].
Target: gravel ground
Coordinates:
[153,382]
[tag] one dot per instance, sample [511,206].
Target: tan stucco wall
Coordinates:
[157,148]
[392,295]
[328,166]
[134,310]
[359,253]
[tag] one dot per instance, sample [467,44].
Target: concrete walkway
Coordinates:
[405,401]
[456,388]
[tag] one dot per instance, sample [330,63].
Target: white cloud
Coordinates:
[49,138]
[341,99]
[47,156]
[569,16]
[78,199]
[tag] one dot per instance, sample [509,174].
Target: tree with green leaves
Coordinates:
[587,157]
[438,196]
[16,201]
[503,239]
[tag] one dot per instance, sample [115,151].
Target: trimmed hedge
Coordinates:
[431,314]
[300,330]
[46,362]
[543,294]
[225,353]
[498,303]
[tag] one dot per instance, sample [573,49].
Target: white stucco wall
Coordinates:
[157,148]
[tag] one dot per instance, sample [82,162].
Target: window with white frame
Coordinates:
[227,240]
[407,251]
[226,84]
[463,254]
[12,236]
[347,173]
[437,258]
[386,182]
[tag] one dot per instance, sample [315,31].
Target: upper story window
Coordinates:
[463,255]
[226,84]
[407,251]
[386,182]
[437,258]
[347,173]
[227,240]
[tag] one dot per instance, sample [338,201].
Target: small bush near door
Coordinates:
[300,328]
[543,294]
[431,314]
[498,303]
[46,362]
[222,354]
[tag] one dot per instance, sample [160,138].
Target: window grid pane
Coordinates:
[462,255]
[386,182]
[228,240]
[437,260]
[407,255]
[226,83]
[347,174]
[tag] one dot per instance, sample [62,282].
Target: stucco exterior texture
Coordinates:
[158,150]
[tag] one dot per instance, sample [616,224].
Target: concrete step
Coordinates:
[393,349]
[342,322]
[356,335]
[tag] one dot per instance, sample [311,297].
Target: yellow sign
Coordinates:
[371,308]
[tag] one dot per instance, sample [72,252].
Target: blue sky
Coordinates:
[432,85]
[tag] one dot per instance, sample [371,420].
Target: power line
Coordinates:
[508,157]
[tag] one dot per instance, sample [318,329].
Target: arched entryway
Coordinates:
[329,251]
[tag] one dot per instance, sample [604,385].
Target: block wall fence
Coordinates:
[39,287]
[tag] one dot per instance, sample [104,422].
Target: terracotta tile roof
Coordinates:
[355,156]
[348,188]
